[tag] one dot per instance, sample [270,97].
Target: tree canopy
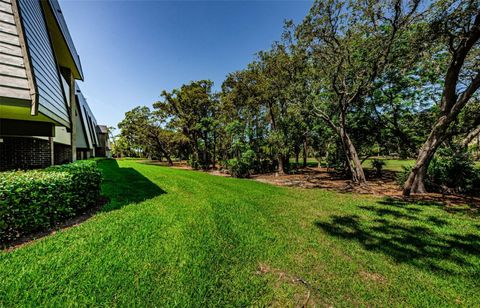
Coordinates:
[352,80]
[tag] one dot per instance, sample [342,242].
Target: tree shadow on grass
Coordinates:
[410,235]
[124,186]
[460,206]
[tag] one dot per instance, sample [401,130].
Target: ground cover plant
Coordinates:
[172,237]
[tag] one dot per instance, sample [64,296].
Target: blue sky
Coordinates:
[132,50]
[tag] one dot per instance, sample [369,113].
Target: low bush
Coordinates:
[449,172]
[34,200]
[241,168]
[378,165]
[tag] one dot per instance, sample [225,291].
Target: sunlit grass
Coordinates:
[391,164]
[174,237]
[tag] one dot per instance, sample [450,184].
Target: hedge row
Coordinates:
[37,199]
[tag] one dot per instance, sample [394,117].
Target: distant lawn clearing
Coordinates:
[173,237]
[391,164]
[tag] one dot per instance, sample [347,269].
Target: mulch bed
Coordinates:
[385,185]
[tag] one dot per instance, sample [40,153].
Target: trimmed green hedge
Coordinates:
[37,199]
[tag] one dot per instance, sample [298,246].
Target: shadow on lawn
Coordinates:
[124,186]
[408,235]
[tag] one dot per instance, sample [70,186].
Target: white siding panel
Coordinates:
[6,17]
[11,60]
[10,39]
[13,71]
[10,50]
[8,28]
[15,93]
[6,7]
[14,82]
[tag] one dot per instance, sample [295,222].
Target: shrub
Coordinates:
[403,175]
[37,199]
[241,168]
[378,165]
[449,171]
[454,172]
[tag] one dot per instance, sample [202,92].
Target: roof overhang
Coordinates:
[61,40]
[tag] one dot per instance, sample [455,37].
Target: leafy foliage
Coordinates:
[354,79]
[454,171]
[241,167]
[449,172]
[378,165]
[37,199]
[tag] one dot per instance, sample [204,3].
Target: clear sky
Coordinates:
[132,50]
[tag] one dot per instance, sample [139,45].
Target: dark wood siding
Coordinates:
[51,100]
[13,76]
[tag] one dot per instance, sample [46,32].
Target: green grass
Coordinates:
[174,237]
[391,164]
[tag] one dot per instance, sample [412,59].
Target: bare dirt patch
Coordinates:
[375,277]
[385,185]
[302,298]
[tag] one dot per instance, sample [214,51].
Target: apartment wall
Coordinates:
[13,78]
[51,100]
[24,153]
[62,153]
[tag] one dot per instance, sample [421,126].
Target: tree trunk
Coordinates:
[419,182]
[353,161]
[415,181]
[281,165]
[214,150]
[451,105]
[469,138]
[170,162]
[354,165]
[297,155]
[305,153]
[478,146]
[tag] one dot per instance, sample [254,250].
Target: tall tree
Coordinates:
[144,129]
[350,44]
[192,110]
[456,25]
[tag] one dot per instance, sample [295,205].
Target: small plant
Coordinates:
[378,165]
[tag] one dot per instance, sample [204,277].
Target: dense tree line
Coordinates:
[352,80]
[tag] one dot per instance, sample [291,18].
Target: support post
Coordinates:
[73,123]
[52,151]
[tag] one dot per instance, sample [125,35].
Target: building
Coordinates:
[103,150]
[92,139]
[41,108]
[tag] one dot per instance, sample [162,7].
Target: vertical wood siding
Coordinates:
[13,75]
[50,93]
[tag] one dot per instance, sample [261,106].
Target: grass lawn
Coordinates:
[173,237]
[391,164]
